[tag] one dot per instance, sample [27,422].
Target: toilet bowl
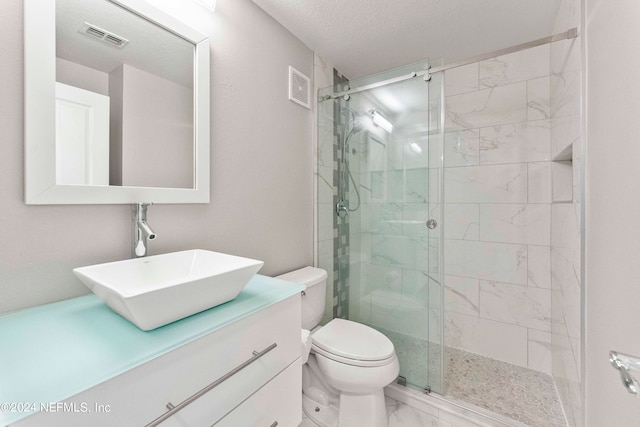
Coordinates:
[349,365]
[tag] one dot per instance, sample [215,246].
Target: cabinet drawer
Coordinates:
[278,403]
[140,395]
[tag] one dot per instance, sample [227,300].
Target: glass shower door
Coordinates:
[388,191]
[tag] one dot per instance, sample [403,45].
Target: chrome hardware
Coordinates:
[341,209]
[180,406]
[303,293]
[141,230]
[625,363]
[275,423]
[431,224]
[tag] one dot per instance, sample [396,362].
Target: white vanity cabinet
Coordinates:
[254,363]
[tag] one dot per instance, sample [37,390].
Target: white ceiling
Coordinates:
[361,37]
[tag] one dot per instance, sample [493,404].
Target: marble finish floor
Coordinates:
[399,415]
[518,393]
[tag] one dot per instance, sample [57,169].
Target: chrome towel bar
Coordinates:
[172,410]
[625,363]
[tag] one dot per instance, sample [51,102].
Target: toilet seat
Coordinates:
[353,343]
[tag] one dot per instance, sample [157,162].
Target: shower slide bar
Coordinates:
[625,363]
[426,74]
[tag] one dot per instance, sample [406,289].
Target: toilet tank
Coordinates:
[313,299]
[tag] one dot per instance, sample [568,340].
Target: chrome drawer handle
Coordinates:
[180,406]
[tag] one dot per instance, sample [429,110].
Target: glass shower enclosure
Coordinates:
[380,153]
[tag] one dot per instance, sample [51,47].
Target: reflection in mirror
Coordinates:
[124,99]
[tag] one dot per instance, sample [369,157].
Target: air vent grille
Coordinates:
[103,35]
[299,88]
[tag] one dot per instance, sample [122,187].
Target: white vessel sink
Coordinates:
[160,289]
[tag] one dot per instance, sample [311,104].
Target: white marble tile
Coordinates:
[322,72]
[514,143]
[326,212]
[489,261]
[434,255]
[462,221]
[514,67]
[435,182]
[416,151]
[416,188]
[565,227]
[565,94]
[516,223]
[462,148]
[562,181]
[377,187]
[395,183]
[401,415]
[565,269]
[565,55]
[373,152]
[516,305]
[392,311]
[325,145]
[325,255]
[418,284]
[539,266]
[487,107]
[539,351]
[451,420]
[462,295]
[326,189]
[377,277]
[403,251]
[538,99]
[486,184]
[564,132]
[435,151]
[414,217]
[461,79]
[539,182]
[483,336]
[381,218]
[576,177]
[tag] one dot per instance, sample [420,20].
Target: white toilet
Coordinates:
[349,364]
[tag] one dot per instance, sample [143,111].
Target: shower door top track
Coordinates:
[426,74]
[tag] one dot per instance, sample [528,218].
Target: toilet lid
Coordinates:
[353,341]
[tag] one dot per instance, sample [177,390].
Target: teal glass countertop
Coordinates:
[52,352]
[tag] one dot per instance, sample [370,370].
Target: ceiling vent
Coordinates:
[299,88]
[104,35]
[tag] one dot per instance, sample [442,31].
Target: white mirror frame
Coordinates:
[39,110]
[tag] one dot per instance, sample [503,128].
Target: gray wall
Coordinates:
[612,203]
[261,196]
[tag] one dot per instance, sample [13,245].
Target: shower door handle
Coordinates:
[625,363]
[431,224]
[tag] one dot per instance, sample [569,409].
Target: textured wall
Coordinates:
[261,163]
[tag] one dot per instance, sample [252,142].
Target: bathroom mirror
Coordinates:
[116,104]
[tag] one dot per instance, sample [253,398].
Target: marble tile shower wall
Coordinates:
[332,233]
[566,215]
[497,196]
[325,164]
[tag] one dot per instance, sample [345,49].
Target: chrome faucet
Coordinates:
[141,230]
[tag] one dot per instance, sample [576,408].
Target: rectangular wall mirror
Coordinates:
[116,104]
